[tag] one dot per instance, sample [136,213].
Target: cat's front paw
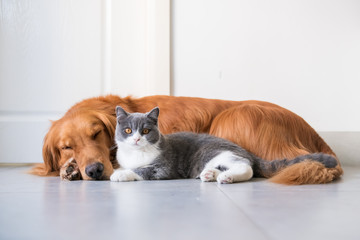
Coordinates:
[209,175]
[70,171]
[124,175]
[225,177]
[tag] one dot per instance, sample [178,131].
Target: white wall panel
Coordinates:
[56,53]
[50,58]
[303,55]
[140,41]
[50,54]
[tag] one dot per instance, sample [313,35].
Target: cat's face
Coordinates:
[137,130]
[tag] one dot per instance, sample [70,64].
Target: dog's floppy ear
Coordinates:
[109,122]
[51,157]
[51,154]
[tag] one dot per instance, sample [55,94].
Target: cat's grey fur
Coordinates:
[188,155]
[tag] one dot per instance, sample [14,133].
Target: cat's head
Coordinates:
[137,130]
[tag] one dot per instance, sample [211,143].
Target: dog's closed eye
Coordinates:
[66,148]
[96,134]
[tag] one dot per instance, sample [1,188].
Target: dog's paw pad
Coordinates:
[70,171]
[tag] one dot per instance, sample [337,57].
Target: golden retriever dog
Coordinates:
[80,145]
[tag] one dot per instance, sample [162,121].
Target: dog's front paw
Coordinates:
[70,171]
[124,175]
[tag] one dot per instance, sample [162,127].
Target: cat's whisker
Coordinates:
[113,147]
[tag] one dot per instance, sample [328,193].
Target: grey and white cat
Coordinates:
[145,154]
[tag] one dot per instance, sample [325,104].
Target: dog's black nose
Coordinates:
[95,170]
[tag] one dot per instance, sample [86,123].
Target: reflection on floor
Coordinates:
[46,208]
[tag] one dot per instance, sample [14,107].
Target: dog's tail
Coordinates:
[305,169]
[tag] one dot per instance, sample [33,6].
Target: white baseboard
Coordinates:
[21,142]
[346,145]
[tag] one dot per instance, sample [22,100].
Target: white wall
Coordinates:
[50,58]
[303,55]
[140,47]
[48,53]
[56,53]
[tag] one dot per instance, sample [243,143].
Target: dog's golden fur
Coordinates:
[265,129]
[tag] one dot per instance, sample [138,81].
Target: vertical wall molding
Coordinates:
[139,49]
[158,46]
[106,46]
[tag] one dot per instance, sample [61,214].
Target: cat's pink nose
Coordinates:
[136,140]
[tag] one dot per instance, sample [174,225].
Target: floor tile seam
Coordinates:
[260,229]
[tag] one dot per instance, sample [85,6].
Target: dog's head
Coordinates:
[85,136]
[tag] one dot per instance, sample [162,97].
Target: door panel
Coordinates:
[56,53]
[50,58]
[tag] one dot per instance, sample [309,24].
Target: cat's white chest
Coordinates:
[132,157]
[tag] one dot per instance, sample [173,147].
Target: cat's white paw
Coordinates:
[225,177]
[124,175]
[209,174]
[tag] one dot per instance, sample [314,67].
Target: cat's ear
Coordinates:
[154,114]
[121,113]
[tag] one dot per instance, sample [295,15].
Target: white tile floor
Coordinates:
[46,208]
